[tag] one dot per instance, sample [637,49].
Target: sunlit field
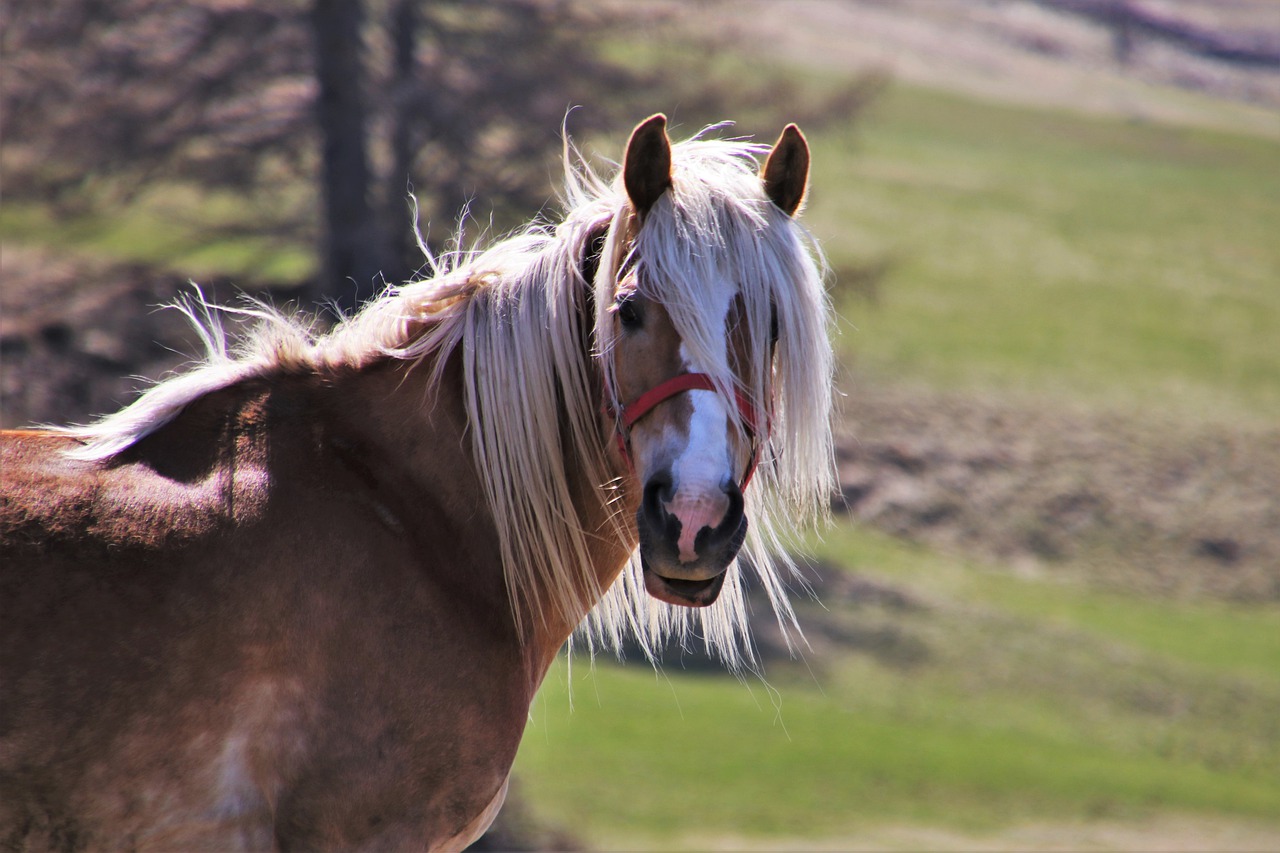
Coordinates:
[1094,259]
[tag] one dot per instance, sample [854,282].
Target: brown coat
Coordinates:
[275,619]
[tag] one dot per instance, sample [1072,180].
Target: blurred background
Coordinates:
[1048,611]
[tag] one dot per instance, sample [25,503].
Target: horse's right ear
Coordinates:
[646,168]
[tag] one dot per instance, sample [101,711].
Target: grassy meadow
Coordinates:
[177,228]
[1109,261]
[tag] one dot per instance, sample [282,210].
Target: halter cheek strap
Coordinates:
[649,400]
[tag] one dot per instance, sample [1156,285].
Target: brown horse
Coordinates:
[302,595]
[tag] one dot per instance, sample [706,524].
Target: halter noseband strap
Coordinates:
[627,416]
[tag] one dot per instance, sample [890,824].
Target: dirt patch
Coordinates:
[1131,502]
[80,338]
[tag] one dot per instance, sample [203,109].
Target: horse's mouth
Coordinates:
[683,593]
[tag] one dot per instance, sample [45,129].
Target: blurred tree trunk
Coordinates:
[403,28]
[354,247]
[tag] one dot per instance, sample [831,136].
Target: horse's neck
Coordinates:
[404,439]
[609,543]
[410,437]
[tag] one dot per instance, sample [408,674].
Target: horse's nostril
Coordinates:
[731,523]
[735,498]
[659,524]
[658,491]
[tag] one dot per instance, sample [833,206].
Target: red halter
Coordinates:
[646,402]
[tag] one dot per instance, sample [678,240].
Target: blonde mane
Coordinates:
[519,313]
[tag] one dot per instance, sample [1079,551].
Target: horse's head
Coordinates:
[691,336]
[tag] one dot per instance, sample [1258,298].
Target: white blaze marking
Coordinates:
[705,462]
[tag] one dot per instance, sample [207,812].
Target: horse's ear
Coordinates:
[646,169]
[786,172]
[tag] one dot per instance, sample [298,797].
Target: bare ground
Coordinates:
[1166,508]
[1171,509]
[80,338]
[1130,501]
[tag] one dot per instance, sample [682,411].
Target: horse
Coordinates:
[302,594]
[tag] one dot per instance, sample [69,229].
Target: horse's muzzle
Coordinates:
[669,574]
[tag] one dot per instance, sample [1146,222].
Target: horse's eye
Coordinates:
[773,328]
[628,313]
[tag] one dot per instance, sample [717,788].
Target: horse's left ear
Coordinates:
[786,172]
[646,168]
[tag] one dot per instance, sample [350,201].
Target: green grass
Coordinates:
[173,227]
[1027,706]
[703,756]
[1041,252]
[1215,635]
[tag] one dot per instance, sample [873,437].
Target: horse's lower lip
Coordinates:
[684,593]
